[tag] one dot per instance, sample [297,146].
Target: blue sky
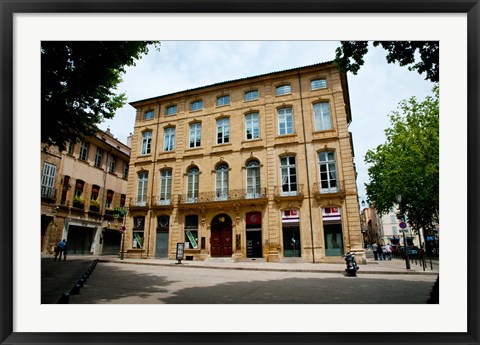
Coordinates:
[179,65]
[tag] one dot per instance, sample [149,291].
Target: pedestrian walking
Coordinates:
[65,248]
[388,249]
[374,249]
[380,252]
[59,250]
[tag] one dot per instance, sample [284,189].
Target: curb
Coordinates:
[268,269]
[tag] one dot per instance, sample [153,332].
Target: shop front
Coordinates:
[332,230]
[254,234]
[291,233]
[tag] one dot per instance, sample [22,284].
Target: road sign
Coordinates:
[123,228]
[402,225]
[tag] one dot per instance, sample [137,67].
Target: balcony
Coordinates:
[289,193]
[323,191]
[139,204]
[225,198]
[111,214]
[48,193]
[162,202]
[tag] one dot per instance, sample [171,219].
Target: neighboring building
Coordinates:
[255,168]
[384,229]
[80,189]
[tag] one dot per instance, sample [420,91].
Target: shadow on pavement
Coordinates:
[58,277]
[126,286]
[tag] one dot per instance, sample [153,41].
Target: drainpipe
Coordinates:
[306,165]
[153,183]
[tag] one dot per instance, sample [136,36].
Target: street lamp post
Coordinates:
[122,211]
[403,226]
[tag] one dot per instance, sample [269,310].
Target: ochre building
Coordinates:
[256,168]
[81,188]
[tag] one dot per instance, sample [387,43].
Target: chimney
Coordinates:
[129,140]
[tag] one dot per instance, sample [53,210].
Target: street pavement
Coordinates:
[214,281]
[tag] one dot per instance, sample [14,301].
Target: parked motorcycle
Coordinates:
[352,267]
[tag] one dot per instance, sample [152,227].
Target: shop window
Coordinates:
[138,232]
[332,229]
[191,232]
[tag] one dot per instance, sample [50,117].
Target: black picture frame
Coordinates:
[10,7]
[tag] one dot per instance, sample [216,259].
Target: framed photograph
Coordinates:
[24,320]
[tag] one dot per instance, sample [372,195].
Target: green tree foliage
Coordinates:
[407,164]
[349,56]
[79,79]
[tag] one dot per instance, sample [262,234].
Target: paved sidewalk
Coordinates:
[393,266]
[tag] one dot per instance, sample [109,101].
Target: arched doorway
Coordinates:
[221,236]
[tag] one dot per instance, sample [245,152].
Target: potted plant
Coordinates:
[94,205]
[78,202]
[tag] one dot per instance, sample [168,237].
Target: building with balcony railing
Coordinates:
[81,191]
[256,168]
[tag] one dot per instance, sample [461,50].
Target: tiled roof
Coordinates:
[234,80]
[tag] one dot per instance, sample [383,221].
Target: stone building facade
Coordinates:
[258,168]
[80,190]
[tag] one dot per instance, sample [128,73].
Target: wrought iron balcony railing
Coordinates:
[140,202]
[289,190]
[323,190]
[162,201]
[219,196]
[48,192]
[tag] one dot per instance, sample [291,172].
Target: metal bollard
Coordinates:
[64,299]
[75,290]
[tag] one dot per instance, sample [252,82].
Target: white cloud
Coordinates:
[180,65]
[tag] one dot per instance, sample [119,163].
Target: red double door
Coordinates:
[221,236]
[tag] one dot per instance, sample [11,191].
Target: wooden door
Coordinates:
[221,237]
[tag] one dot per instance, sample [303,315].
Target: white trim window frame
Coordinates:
[192,185]
[165,187]
[223,100]
[196,105]
[48,179]
[328,172]
[146,143]
[169,139]
[142,185]
[98,157]
[125,170]
[252,126]
[111,164]
[171,110]
[195,135]
[250,95]
[223,130]
[285,121]
[148,115]
[83,155]
[253,180]
[317,84]
[322,116]
[283,90]
[288,173]
[221,183]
